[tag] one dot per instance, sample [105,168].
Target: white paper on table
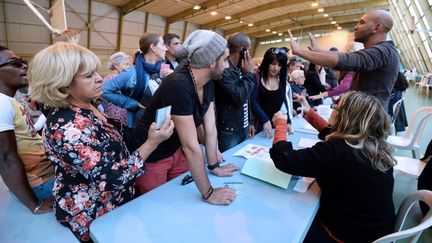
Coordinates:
[303,184]
[307,142]
[310,128]
[251,150]
[265,170]
[324,111]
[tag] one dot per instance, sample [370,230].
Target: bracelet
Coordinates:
[38,207]
[208,193]
[212,167]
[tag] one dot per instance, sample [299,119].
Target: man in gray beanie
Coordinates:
[189,92]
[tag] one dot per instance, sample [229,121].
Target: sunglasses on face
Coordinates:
[282,50]
[16,62]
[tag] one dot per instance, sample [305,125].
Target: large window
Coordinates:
[412,22]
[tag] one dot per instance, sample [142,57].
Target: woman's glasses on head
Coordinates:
[16,62]
[282,50]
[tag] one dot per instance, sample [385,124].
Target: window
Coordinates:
[419,9]
[428,48]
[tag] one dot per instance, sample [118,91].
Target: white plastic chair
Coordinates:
[411,138]
[412,168]
[414,232]
[396,110]
[425,83]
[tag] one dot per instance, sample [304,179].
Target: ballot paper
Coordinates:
[251,150]
[161,115]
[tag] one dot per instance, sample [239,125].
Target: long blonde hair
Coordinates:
[363,123]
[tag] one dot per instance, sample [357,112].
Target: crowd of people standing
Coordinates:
[107,153]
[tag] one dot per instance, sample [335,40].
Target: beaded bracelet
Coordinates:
[208,193]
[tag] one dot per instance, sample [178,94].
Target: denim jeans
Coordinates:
[44,191]
[228,139]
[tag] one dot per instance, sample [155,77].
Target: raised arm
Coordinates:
[319,57]
[237,92]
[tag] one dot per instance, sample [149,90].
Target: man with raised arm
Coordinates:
[376,66]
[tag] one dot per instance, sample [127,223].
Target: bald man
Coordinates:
[376,66]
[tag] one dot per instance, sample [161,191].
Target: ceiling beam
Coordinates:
[307,23]
[133,5]
[322,28]
[328,10]
[251,11]
[189,12]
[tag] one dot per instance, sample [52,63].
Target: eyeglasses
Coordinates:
[16,62]
[282,50]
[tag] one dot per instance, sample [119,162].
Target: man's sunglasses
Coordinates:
[282,50]
[16,62]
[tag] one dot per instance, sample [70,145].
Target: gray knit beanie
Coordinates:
[202,47]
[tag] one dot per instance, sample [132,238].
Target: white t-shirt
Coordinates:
[29,143]
[7,112]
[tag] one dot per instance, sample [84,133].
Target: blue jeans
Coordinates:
[44,191]
[228,139]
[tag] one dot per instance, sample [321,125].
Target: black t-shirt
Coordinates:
[178,91]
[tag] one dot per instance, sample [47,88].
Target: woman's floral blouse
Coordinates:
[94,172]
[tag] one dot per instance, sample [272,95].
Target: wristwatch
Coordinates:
[212,167]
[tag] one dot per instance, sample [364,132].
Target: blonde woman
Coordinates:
[94,171]
[353,167]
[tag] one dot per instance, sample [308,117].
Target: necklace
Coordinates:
[195,85]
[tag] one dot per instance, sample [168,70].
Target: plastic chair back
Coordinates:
[414,232]
[396,109]
[414,131]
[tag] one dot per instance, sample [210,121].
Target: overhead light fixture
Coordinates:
[339,28]
[280,34]
[320,10]
[333,22]
[228,17]
[250,24]
[196,7]
[240,21]
[274,32]
[325,15]
[267,30]
[314,4]
[213,13]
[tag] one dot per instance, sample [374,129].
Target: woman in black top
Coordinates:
[313,84]
[353,167]
[269,95]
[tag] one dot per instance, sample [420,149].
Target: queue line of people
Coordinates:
[96,172]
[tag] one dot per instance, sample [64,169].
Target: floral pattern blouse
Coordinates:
[94,172]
